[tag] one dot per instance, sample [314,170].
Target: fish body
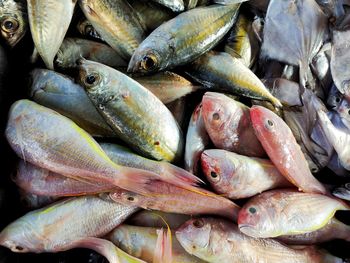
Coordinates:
[14,21]
[183,38]
[49,21]
[197,139]
[141,242]
[133,112]
[229,126]
[221,71]
[287,212]
[236,176]
[217,240]
[116,22]
[73,49]
[283,150]
[63,95]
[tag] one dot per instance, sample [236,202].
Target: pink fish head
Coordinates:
[264,122]
[249,220]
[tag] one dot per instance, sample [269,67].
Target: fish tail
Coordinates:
[163,250]
[106,248]
[178,176]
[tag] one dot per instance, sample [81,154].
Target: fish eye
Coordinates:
[337,99]
[19,248]
[216,116]
[214,176]
[349,111]
[198,223]
[269,124]
[9,25]
[130,198]
[252,210]
[92,79]
[149,62]
[89,29]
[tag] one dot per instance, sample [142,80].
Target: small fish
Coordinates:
[183,38]
[287,212]
[73,49]
[49,21]
[216,240]
[283,150]
[133,112]
[63,95]
[151,15]
[148,218]
[71,223]
[197,139]
[174,5]
[236,176]
[49,140]
[221,71]
[116,22]
[173,199]
[141,242]
[334,229]
[229,126]
[167,86]
[85,28]
[14,21]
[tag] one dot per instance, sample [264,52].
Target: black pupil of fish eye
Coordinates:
[252,210]
[197,223]
[90,79]
[149,62]
[8,24]
[213,174]
[270,123]
[349,111]
[337,99]
[19,248]
[216,116]
[130,198]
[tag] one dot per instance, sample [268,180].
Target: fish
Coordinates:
[173,199]
[228,125]
[334,229]
[344,112]
[197,139]
[116,22]
[342,192]
[283,150]
[141,242]
[300,27]
[49,21]
[334,97]
[183,38]
[242,43]
[62,94]
[167,86]
[72,49]
[133,112]
[334,9]
[33,201]
[190,4]
[14,21]
[85,28]
[237,176]
[287,212]
[157,219]
[220,71]
[32,132]
[71,223]
[218,240]
[151,15]
[174,5]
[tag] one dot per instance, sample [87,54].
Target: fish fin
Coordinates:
[107,249]
[163,249]
[178,176]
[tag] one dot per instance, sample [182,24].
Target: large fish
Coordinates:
[236,176]
[183,38]
[228,124]
[133,112]
[49,21]
[141,242]
[283,150]
[287,212]
[221,71]
[72,223]
[116,22]
[49,140]
[14,21]
[216,240]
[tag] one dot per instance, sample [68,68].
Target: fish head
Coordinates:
[194,236]
[87,29]
[264,121]
[13,21]
[334,97]
[217,169]
[150,57]
[214,110]
[126,197]
[20,237]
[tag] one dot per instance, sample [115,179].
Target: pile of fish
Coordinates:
[182,131]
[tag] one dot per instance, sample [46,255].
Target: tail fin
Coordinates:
[163,252]
[107,249]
